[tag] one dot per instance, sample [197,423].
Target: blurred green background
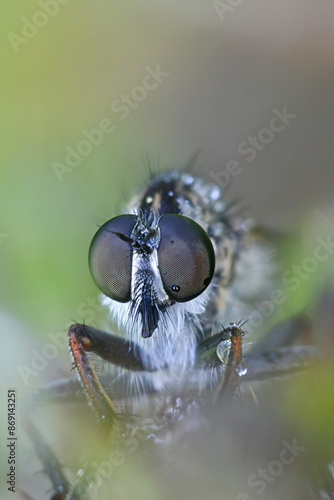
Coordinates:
[62,70]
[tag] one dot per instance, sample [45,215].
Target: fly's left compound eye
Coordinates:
[110,257]
[186,257]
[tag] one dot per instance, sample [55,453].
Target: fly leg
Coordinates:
[234,366]
[61,391]
[225,348]
[76,482]
[274,356]
[115,350]
[286,349]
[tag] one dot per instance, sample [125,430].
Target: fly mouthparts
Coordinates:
[146,334]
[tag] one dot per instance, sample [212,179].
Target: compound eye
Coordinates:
[110,257]
[186,257]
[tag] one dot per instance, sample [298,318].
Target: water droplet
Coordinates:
[188,179]
[223,349]
[215,193]
[241,369]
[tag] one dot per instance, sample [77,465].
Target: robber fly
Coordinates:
[177,272]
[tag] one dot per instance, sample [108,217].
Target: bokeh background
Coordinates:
[226,66]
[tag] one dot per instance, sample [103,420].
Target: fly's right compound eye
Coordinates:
[110,257]
[186,257]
